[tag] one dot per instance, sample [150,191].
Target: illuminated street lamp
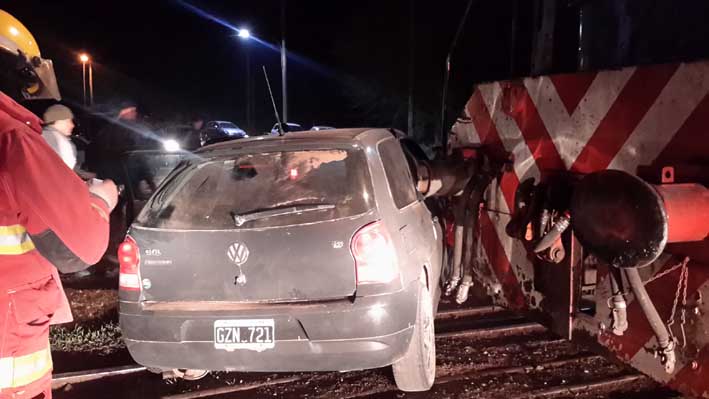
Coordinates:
[85,59]
[244,33]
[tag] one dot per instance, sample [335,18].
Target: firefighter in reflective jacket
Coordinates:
[49,220]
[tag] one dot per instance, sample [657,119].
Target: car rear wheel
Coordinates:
[417,369]
[187,374]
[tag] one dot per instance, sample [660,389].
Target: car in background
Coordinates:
[287,127]
[307,252]
[218,131]
[318,128]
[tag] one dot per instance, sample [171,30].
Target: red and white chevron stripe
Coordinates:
[585,122]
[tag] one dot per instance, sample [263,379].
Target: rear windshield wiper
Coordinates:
[240,219]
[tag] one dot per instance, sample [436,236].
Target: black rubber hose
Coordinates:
[641,295]
[472,221]
[616,282]
[473,200]
[550,238]
[462,217]
[459,234]
[461,224]
[618,304]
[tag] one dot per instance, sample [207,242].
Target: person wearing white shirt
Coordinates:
[58,126]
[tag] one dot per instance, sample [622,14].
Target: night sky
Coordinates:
[348,61]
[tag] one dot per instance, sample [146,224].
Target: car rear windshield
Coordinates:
[307,186]
[227,125]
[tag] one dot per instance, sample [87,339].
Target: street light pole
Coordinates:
[412,71]
[84,58]
[249,122]
[283,61]
[244,34]
[83,79]
[91,85]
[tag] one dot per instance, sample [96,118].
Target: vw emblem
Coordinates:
[238,253]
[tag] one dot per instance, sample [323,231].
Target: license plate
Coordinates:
[251,334]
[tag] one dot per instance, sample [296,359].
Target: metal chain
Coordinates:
[671,319]
[681,283]
[684,307]
[668,271]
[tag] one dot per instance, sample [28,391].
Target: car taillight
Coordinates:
[129,260]
[374,254]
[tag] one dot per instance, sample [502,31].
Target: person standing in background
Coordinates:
[58,126]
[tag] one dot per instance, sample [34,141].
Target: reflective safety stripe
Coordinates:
[23,370]
[14,240]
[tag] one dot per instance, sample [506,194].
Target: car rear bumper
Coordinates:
[331,336]
[342,355]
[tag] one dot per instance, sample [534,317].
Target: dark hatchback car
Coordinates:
[219,131]
[307,252]
[287,127]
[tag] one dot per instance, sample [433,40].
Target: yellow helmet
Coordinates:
[35,74]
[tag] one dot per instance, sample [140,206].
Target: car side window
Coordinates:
[397,172]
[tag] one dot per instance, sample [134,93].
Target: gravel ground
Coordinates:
[93,339]
[92,305]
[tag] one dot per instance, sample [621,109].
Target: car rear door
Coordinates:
[419,233]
